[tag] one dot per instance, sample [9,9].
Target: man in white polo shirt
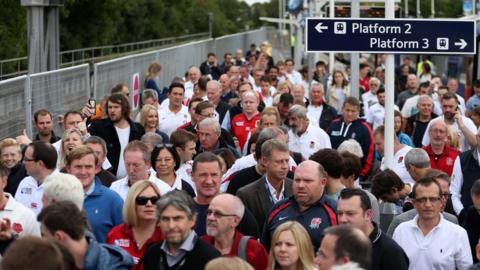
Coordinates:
[40,161]
[137,163]
[176,114]
[22,220]
[303,137]
[430,241]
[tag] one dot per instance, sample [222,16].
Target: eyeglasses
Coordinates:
[162,145]
[140,200]
[25,159]
[446,195]
[425,199]
[218,214]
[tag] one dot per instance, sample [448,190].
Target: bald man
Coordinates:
[223,216]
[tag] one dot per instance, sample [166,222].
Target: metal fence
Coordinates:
[58,91]
[12,111]
[69,89]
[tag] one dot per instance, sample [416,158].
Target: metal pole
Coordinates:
[406,8]
[210,24]
[432,8]
[389,94]
[419,14]
[331,58]
[355,57]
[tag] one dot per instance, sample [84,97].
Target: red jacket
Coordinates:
[445,161]
[241,126]
[122,236]
[256,254]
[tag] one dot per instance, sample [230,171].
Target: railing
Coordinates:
[69,88]
[18,66]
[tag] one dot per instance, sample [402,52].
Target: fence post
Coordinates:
[87,77]
[28,107]
[95,72]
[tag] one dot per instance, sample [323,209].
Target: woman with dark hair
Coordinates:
[165,161]
[398,125]
[227,158]
[338,91]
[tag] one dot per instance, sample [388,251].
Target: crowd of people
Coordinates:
[246,164]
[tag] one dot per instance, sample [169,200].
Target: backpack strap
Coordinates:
[242,247]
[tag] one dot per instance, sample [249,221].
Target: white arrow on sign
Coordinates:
[321,27]
[462,44]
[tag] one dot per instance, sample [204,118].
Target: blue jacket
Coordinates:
[315,219]
[104,210]
[106,257]
[358,130]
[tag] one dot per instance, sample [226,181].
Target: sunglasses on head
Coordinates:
[140,200]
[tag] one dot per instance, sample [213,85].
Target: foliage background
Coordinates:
[87,23]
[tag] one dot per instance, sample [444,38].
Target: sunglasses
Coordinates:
[140,200]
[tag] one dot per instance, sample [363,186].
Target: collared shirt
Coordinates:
[273,192]
[314,113]
[169,121]
[446,246]
[121,186]
[187,246]
[312,140]
[90,189]
[30,193]
[23,220]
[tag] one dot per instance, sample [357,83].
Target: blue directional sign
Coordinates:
[391,36]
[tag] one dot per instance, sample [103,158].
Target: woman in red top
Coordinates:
[246,122]
[140,229]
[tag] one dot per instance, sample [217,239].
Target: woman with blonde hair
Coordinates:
[284,87]
[453,139]
[228,263]
[153,72]
[71,138]
[149,121]
[140,229]
[291,248]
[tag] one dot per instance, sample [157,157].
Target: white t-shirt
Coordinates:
[399,165]
[376,115]
[464,146]
[123,137]
[169,121]
[368,100]
[314,113]
[189,86]
[446,246]
[185,173]
[410,107]
[312,140]
[295,77]
[23,220]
